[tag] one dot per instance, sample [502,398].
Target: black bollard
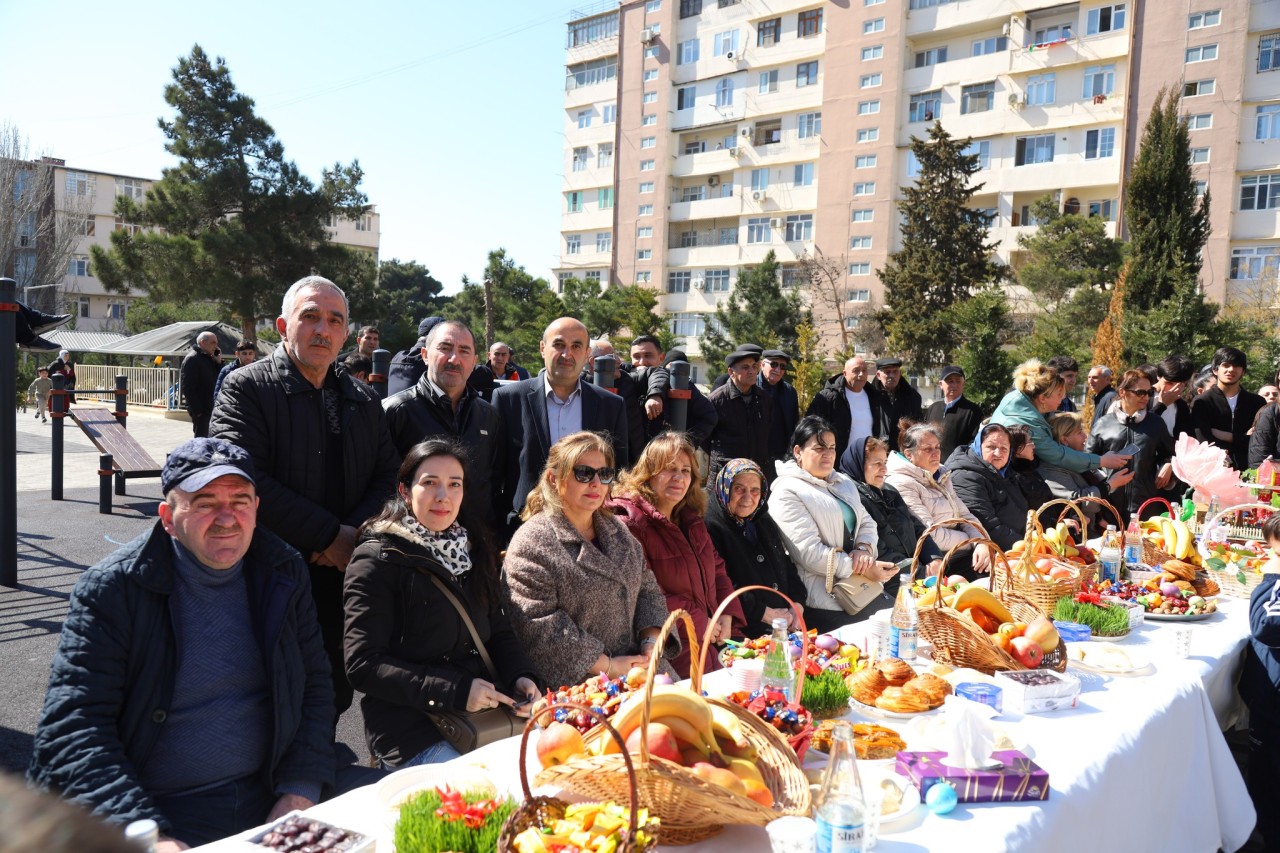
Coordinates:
[678,396]
[606,373]
[122,418]
[105,472]
[378,376]
[8,434]
[57,411]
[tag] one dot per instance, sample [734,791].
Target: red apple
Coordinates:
[1026,651]
[660,740]
[559,742]
[954,581]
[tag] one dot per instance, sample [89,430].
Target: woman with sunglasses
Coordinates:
[581,598]
[1132,424]
[662,505]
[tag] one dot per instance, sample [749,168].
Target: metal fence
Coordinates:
[148,386]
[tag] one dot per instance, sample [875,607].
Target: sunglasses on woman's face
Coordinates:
[585,473]
[1139,392]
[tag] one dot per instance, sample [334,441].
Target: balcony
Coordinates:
[710,255]
[1076,50]
[708,114]
[1253,224]
[710,208]
[705,163]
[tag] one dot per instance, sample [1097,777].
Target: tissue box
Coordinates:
[1019,779]
[1032,691]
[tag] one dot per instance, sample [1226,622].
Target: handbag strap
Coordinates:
[831,568]
[466,618]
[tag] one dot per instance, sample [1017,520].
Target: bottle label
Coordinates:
[902,643]
[1110,570]
[839,837]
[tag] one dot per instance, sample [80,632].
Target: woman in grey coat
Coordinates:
[582,600]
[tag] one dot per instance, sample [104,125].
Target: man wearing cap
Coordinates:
[786,403]
[406,366]
[745,415]
[958,416]
[851,405]
[190,684]
[898,398]
[246,352]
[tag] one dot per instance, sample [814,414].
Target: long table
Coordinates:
[1139,764]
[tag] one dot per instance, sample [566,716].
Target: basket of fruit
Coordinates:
[1235,565]
[699,764]
[1164,537]
[1047,564]
[990,632]
[598,693]
[550,825]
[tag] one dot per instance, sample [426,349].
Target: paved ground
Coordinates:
[57,540]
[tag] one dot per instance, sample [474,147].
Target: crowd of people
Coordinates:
[316,540]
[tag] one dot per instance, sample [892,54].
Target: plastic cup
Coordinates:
[1182,641]
[793,834]
[747,673]
[873,796]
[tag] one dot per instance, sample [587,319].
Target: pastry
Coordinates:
[866,685]
[872,742]
[902,701]
[1180,569]
[896,671]
[933,689]
[821,740]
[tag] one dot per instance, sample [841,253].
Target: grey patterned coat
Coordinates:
[571,601]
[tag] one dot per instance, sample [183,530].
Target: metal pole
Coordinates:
[105,471]
[57,411]
[8,434]
[605,373]
[381,367]
[678,396]
[122,400]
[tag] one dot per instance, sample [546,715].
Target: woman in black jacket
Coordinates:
[897,530]
[751,546]
[980,474]
[407,649]
[1130,423]
[1024,470]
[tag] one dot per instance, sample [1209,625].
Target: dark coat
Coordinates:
[997,502]
[1260,676]
[270,410]
[701,418]
[1211,411]
[113,677]
[522,406]
[1102,402]
[786,414]
[418,413]
[406,648]
[483,380]
[897,530]
[764,562]
[222,376]
[685,562]
[1182,422]
[199,375]
[959,425]
[636,385]
[905,402]
[1265,440]
[406,368]
[742,431]
[830,403]
[1025,474]
[1155,447]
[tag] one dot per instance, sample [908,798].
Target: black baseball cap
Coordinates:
[952,370]
[739,354]
[675,355]
[200,461]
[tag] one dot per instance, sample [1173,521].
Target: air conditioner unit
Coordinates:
[759,195]
[647,35]
[729,55]
[1004,31]
[733,152]
[713,180]
[775,223]
[699,284]
[746,131]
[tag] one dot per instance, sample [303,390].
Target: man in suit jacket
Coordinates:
[538,412]
[958,415]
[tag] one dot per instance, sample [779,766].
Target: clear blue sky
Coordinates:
[453,109]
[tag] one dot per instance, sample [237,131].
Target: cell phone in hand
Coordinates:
[1130,450]
[528,700]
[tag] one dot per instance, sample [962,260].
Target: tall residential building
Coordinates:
[700,134]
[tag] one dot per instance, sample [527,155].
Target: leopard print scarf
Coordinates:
[449,547]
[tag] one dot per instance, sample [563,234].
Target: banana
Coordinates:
[725,724]
[744,769]
[976,596]
[668,701]
[685,733]
[1183,547]
[1169,534]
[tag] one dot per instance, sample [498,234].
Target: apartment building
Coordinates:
[701,134]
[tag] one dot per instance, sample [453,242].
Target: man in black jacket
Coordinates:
[700,420]
[406,366]
[786,403]
[898,398]
[190,684]
[638,399]
[320,444]
[443,404]
[851,405]
[1224,414]
[959,416]
[199,375]
[745,414]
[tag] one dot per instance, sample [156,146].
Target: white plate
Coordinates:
[1108,659]
[1169,617]
[873,711]
[910,796]
[393,790]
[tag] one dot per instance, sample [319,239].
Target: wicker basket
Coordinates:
[540,812]
[1151,555]
[691,809]
[1025,580]
[959,642]
[1239,584]
[1115,513]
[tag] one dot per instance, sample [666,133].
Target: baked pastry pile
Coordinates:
[892,685]
[870,742]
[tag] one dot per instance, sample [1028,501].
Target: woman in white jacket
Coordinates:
[818,511]
[917,472]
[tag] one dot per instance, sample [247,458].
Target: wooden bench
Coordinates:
[128,458]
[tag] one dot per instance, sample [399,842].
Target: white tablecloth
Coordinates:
[1140,764]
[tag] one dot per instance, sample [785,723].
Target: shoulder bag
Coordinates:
[855,592]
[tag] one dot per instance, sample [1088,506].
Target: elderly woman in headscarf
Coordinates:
[751,546]
[980,472]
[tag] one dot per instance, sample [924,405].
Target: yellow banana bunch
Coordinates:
[669,701]
[1184,539]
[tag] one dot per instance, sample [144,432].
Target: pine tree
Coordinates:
[757,311]
[945,257]
[234,223]
[985,325]
[523,307]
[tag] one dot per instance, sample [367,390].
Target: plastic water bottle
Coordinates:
[145,834]
[840,809]
[1133,545]
[1109,555]
[778,674]
[904,623]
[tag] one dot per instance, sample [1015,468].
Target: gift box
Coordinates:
[1034,691]
[1018,779]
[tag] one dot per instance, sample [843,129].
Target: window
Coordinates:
[768,81]
[80,183]
[86,227]
[874,52]
[978,98]
[127,227]
[687,324]
[868,108]
[687,51]
[802,175]
[809,124]
[650,74]
[1099,143]
[864,188]
[728,237]
[869,134]
[793,276]
[1198,87]
[1106,210]
[809,23]
[859,242]
[685,96]
[806,74]
[1048,35]
[82,305]
[799,227]
[925,106]
[859,294]
[593,275]
[859,269]
[580,159]
[678,282]
[649,98]
[1255,263]
[645,232]
[768,132]
[1200,121]
[116,310]
[1042,89]
[1104,19]
[866,214]
[983,149]
[1099,80]
[864,161]
[725,43]
[584,119]
[1260,192]
[872,2]
[604,155]
[1200,20]
[932,56]
[697,192]
[1199,155]
[573,201]
[873,26]
[646,187]
[717,281]
[768,32]
[724,92]
[1268,122]
[758,230]
[1203,53]
[648,120]
[78,266]
[365,223]
[645,210]
[1033,149]
[604,241]
[651,52]
[1201,186]
[644,255]
[644,277]
[646,165]
[604,198]
[689,8]
[130,188]
[1268,53]
[759,179]
[608,113]
[995,44]
[593,29]
[870,81]
[913,164]
[572,244]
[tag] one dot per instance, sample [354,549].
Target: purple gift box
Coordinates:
[1019,779]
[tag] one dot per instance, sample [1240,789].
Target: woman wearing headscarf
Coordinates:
[867,462]
[980,473]
[751,546]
